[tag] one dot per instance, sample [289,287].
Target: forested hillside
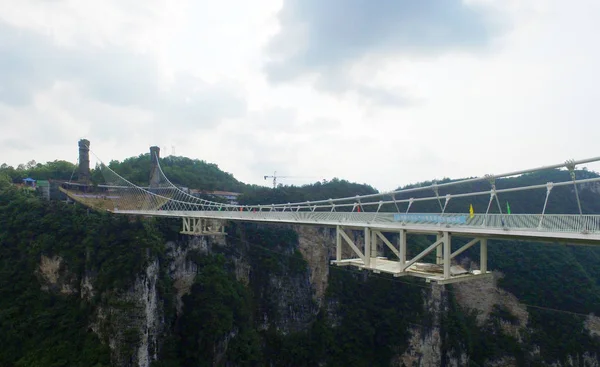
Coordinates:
[43,319]
[59,170]
[80,288]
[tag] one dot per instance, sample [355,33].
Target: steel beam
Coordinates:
[483,255]
[350,243]
[465,247]
[402,249]
[438,250]
[447,252]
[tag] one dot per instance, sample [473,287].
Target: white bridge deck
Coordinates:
[532,227]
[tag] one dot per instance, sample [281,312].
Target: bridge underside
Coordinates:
[442,271]
[365,248]
[430,272]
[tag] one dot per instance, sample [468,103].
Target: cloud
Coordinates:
[325,39]
[190,76]
[112,75]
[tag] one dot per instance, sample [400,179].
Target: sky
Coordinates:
[380,92]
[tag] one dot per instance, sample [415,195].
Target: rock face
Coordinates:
[592,324]
[152,320]
[132,322]
[54,275]
[289,298]
[316,245]
[293,304]
[425,343]
[483,295]
[181,270]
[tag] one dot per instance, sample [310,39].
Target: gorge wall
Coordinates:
[294,293]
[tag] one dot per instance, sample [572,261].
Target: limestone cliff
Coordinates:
[289,296]
[131,321]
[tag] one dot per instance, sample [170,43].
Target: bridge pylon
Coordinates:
[441,272]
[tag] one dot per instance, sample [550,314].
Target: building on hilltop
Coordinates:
[29,182]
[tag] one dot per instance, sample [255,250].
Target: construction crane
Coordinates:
[275,177]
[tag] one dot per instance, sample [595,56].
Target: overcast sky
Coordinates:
[384,92]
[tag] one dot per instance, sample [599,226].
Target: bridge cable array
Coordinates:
[161,196]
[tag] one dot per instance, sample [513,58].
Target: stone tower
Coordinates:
[84,162]
[154,172]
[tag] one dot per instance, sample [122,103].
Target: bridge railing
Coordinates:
[165,197]
[375,202]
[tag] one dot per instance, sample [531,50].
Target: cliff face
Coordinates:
[132,321]
[317,246]
[425,343]
[294,293]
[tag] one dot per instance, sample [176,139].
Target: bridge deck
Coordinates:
[532,227]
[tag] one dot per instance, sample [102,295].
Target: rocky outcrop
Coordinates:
[592,324]
[425,342]
[152,318]
[585,360]
[181,270]
[54,276]
[483,295]
[316,245]
[294,306]
[131,321]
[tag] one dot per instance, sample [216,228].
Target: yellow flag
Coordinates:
[471,211]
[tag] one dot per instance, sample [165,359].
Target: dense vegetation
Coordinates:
[364,320]
[59,170]
[52,328]
[293,194]
[182,171]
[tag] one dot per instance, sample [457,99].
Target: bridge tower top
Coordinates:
[84,161]
[154,169]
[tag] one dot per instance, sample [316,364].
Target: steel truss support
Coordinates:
[203,227]
[442,271]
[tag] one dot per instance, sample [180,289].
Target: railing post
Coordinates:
[488,209]
[549,186]
[410,201]
[377,212]
[448,197]
[571,167]
[395,203]
[437,193]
